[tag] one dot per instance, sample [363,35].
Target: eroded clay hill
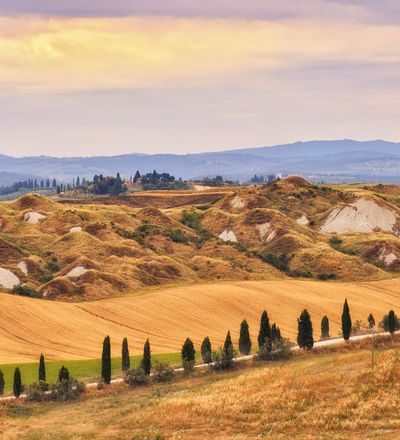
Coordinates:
[291,228]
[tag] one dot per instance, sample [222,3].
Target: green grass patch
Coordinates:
[86,370]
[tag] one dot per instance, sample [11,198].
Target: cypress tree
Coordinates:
[244,339]
[106,360]
[264,335]
[63,374]
[275,333]
[305,331]
[392,321]
[325,328]
[206,350]
[126,361]
[146,360]
[346,321]
[371,321]
[188,352]
[1,382]
[17,385]
[42,369]
[228,346]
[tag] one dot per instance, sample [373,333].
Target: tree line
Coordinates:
[271,345]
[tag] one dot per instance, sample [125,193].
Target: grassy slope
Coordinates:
[86,369]
[329,396]
[66,331]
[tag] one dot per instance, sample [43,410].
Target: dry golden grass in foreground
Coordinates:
[168,316]
[325,396]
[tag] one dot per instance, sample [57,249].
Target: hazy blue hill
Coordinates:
[346,158]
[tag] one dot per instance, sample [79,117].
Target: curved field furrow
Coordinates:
[167,316]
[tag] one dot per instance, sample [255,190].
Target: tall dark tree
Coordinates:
[137,176]
[228,346]
[42,369]
[63,374]
[106,360]
[325,328]
[206,350]
[371,321]
[17,385]
[244,339]
[392,321]
[188,352]
[1,383]
[146,360]
[264,335]
[275,333]
[305,331]
[126,361]
[346,321]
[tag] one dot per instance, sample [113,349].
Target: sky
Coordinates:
[80,78]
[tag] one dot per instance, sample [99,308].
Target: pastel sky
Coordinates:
[155,76]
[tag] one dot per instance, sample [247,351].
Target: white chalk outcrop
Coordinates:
[75,229]
[76,272]
[7,279]
[362,216]
[303,220]
[228,235]
[237,202]
[266,232]
[387,257]
[33,217]
[22,266]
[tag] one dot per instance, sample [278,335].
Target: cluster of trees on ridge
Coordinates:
[33,184]
[271,345]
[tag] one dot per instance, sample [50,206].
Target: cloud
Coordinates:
[70,54]
[248,9]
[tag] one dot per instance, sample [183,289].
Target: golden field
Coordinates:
[167,316]
[329,395]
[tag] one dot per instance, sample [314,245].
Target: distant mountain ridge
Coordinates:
[331,161]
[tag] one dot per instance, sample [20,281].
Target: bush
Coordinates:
[222,360]
[35,393]
[163,372]
[45,278]
[63,374]
[188,366]
[192,220]
[25,291]
[280,349]
[327,276]
[52,266]
[335,241]
[136,377]
[66,390]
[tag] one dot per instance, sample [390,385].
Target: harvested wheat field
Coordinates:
[167,316]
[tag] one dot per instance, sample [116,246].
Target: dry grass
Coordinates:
[332,396]
[168,316]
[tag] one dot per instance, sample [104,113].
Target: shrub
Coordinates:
[52,266]
[335,241]
[35,393]
[327,276]
[384,324]
[371,321]
[63,374]
[280,349]
[45,278]
[66,390]
[25,291]
[136,377]
[222,360]
[163,372]
[392,321]
[192,220]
